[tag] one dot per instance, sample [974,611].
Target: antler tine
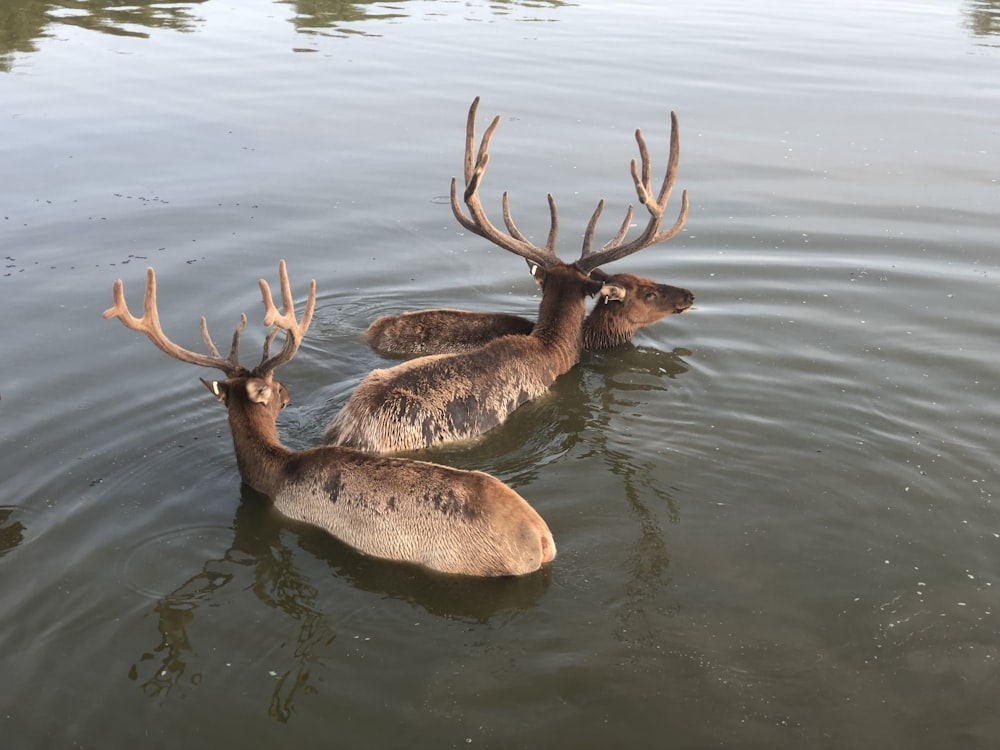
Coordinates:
[477,222]
[149,324]
[271,336]
[588,236]
[285,321]
[234,349]
[550,243]
[651,235]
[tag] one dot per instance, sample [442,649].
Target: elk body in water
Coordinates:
[440,398]
[612,321]
[446,519]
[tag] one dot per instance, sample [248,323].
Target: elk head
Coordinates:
[254,387]
[543,259]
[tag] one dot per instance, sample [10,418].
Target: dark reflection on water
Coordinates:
[649,556]
[11,531]
[126,19]
[258,548]
[984,19]
[328,17]
[24,22]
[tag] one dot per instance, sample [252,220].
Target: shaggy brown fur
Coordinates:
[446,519]
[449,520]
[610,323]
[447,397]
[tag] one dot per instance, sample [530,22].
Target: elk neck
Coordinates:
[606,327]
[260,456]
[561,313]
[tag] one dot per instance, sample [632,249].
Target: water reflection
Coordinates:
[613,384]
[11,532]
[650,555]
[121,19]
[259,549]
[328,17]
[586,419]
[984,19]
[27,21]
[332,17]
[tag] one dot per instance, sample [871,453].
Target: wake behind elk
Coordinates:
[449,520]
[441,398]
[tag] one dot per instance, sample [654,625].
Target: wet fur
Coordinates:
[446,519]
[610,323]
[453,521]
[442,330]
[447,397]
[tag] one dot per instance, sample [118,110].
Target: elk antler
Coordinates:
[518,244]
[514,242]
[149,324]
[614,249]
[283,321]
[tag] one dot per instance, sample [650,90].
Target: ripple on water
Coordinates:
[153,566]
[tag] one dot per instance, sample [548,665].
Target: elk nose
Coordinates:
[684,302]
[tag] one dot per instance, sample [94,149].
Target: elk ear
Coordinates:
[259,391]
[594,286]
[613,293]
[219,389]
[537,273]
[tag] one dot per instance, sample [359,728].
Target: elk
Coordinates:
[612,321]
[446,519]
[446,397]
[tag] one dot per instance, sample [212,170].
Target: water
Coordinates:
[775,515]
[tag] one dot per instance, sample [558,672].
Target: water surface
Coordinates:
[775,515]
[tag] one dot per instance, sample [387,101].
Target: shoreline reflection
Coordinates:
[26,22]
[11,532]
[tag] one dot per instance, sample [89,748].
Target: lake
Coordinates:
[774,515]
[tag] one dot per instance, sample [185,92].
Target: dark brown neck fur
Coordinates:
[603,329]
[260,455]
[561,314]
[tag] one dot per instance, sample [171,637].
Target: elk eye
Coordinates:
[650,296]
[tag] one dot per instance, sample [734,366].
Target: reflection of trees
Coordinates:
[127,18]
[23,22]
[327,17]
[259,553]
[983,18]
[20,24]
[11,534]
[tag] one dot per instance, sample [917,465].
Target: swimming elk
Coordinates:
[611,322]
[446,519]
[440,398]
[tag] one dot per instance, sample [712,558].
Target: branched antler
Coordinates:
[514,241]
[477,221]
[651,235]
[149,324]
[283,321]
